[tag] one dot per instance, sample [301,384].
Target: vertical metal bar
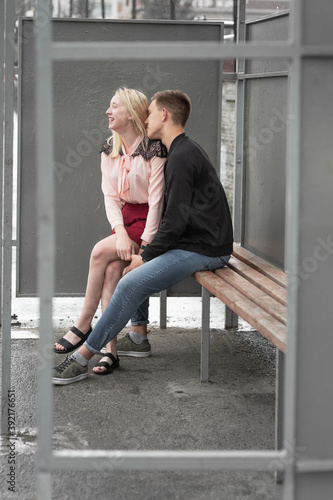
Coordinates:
[46,243]
[279,406]
[17,187]
[2,116]
[172,9]
[133,9]
[7,225]
[205,335]
[234,15]
[230,319]
[163,309]
[239,131]
[291,245]
[219,104]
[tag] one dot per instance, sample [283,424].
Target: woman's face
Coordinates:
[118,116]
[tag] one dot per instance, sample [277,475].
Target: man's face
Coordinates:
[154,121]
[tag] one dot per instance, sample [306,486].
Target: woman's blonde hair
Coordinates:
[136,104]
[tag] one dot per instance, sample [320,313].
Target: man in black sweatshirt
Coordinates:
[195,234]
[197,215]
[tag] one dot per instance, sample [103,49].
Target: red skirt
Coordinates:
[135,216]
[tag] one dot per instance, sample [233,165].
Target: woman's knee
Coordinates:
[113,271]
[100,253]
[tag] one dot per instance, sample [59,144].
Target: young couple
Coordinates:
[170,218]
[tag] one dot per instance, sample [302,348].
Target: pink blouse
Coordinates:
[135,178]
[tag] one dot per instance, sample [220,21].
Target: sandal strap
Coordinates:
[103,364]
[110,356]
[79,333]
[65,343]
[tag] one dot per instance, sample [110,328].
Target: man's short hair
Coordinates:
[176,102]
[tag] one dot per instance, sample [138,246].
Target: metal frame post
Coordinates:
[239,128]
[7,209]
[292,249]
[308,415]
[279,407]
[163,309]
[2,98]
[205,335]
[45,244]
[231,318]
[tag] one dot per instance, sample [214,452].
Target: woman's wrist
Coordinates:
[120,230]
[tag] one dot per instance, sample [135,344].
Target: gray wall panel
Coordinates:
[82,91]
[274,28]
[264,161]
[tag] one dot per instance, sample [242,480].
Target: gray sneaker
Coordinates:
[69,371]
[126,347]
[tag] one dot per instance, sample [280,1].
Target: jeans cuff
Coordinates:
[92,349]
[139,323]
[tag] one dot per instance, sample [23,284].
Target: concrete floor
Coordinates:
[152,403]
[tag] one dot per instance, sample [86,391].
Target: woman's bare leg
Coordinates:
[113,274]
[102,254]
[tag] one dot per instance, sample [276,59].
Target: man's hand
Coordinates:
[136,262]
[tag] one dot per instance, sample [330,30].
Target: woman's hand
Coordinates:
[125,246]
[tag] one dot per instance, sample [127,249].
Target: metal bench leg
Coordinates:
[163,309]
[231,319]
[279,404]
[205,320]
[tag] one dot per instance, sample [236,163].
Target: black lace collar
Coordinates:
[154,148]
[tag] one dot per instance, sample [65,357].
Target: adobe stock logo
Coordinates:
[265,136]
[309,265]
[90,139]
[154,77]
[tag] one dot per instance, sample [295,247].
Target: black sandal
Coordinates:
[69,347]
[104,364]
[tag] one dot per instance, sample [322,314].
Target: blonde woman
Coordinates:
[133,187]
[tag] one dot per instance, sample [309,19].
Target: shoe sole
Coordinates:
[66,381]
[134,354]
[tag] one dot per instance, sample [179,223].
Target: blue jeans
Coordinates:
[140,316]
[135,287]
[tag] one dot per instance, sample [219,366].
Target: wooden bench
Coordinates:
[257,292]
[250,288]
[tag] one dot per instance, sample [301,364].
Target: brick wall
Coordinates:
[228,138]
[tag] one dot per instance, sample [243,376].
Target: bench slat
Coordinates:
[260,265]
[270,287]
[262,321]
[252,292]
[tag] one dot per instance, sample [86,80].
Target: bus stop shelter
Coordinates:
[306,457]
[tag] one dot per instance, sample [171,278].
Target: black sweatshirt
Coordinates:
[197,216]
